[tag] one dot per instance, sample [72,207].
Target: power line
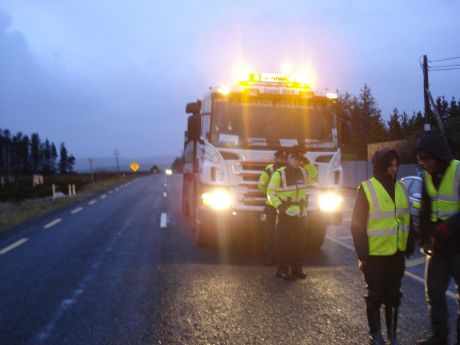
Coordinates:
[444,69]
[452,58]
[441,66]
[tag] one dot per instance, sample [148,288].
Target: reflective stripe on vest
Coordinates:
[445,201]
[388,222]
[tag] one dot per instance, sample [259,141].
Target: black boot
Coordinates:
[391,319]
[433,338]
[375,331]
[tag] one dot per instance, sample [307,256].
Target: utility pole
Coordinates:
[426,97]
[90,161]
[116,153]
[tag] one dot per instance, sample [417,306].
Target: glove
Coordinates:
[441,231]
[427,249]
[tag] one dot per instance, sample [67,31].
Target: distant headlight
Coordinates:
[168,172]
[330,202]
[217,199]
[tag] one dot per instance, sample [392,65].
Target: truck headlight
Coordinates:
[217,199]
[330,202]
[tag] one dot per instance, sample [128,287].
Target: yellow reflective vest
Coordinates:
[313,174]
[388,222]
[293,193]
[445,201]
[264,180]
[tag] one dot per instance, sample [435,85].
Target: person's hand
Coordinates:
[441,231]
[282,208]
[427,249]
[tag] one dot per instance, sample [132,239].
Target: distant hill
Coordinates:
[109,163]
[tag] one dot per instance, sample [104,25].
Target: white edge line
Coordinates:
[407,273]
[78,209]
[13,245]
[52,223]
[163,220]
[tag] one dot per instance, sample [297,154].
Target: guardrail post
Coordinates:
[73,190]
[54,190]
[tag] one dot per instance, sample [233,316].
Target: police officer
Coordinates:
[439,231]
[380,230]
[270,210]
[287,191]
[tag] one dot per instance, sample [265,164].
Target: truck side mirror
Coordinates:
[193,108]
[194,127]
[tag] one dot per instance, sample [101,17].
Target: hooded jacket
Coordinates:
[435,146]
[381,160]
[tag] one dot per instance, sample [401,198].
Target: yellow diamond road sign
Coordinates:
[134,166]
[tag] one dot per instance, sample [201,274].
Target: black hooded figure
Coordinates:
[382,273]
[439,231]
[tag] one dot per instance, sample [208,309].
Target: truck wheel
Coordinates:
[316,233]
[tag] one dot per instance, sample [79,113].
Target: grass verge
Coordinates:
[16,213]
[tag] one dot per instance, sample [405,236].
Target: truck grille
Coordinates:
[248,174]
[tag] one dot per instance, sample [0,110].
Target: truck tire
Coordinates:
[316,233]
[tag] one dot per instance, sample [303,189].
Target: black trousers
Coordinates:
[383,276]
[270,231]
[440,268]
[290,243]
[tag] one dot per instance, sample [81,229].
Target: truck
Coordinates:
[232,134]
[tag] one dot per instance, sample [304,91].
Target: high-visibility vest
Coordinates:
[265,177]
[445,201]
[313,174]
[280,190]
[389,221]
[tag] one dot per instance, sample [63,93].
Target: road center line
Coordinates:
[12,246]
[78,209]
[407,273]
[103,196]
[165,194]
[92,202]
[163,220]
[415,262]
[52,223]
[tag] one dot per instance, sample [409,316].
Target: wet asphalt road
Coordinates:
[117,271]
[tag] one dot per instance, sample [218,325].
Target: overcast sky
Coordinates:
[101,75]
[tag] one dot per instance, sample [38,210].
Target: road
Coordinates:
[123,268]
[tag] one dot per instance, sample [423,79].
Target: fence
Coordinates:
[354,172]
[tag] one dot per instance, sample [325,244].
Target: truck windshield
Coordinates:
[271,122]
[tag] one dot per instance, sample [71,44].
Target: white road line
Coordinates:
[163,220]
[110,191]
[166,185]
[12,246]
[165,194]
[78,209]
[340,243]
[347,237]
[409,274]
[103,196]
[52,223]
[117,189]
[415,262]
[92,202]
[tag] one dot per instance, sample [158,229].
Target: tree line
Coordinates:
[21,154]
[367,125]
